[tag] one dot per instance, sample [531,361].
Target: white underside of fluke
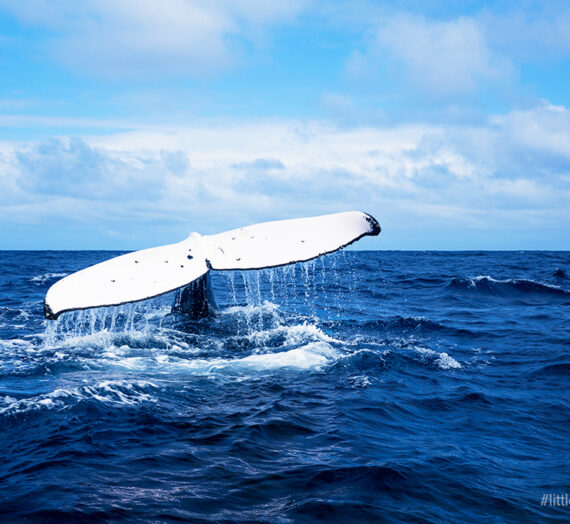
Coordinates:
[151,272]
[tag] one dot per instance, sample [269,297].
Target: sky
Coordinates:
[126,124]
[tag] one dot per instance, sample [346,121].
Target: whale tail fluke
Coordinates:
[151,272]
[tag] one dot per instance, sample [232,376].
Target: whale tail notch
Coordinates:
[151,272]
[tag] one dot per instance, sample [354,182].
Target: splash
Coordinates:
[267,320]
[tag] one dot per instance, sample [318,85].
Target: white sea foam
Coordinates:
[443,360]
[292,335]
[93,340]
[359,381]
[487,278]
[118,392]
[313,355]
[14,343]
[40,279]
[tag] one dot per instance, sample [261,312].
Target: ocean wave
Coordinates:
[290,335]
[47,277]
[561,368]
[14,314]
[507,287]
[117,393]
[390,354]
[418,323]
[402,323]
[441,360]
[314,355]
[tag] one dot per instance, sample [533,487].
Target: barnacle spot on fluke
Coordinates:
[112,281]
[189,257]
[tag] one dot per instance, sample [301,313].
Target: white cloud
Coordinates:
[134,38]
[418,179]
[437,58]
[426,50]
[540,34]
[75,169]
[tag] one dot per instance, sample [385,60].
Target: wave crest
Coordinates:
[508,287]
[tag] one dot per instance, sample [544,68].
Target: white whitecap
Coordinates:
[313,355]
[442,360]
[109,392]
[47,276]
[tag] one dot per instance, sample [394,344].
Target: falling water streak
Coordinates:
[354,281]
[279,284]
[350,276]
[258,284]
[305,267]
[279,275]
[272,283]
[283,274]
[230,277]
[324,288]
[131,310]
[245,286]
[256,291]
[247,300]
[335,278]
[294,279]
[92,320]
[313,290]
[129,318]
[113,320]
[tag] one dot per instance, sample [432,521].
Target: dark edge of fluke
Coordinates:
[48,313]
[374,224]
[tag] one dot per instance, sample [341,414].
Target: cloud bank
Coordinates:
[143,38]
[510,174]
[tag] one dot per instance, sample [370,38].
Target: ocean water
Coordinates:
[360,387]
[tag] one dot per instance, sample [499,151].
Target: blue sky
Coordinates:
[126,124]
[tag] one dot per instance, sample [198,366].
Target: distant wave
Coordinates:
[14,313]
[562,368]
[47,277]
[391,355]
[507,287]
[417,324]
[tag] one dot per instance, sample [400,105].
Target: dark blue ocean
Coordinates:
[361,387]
